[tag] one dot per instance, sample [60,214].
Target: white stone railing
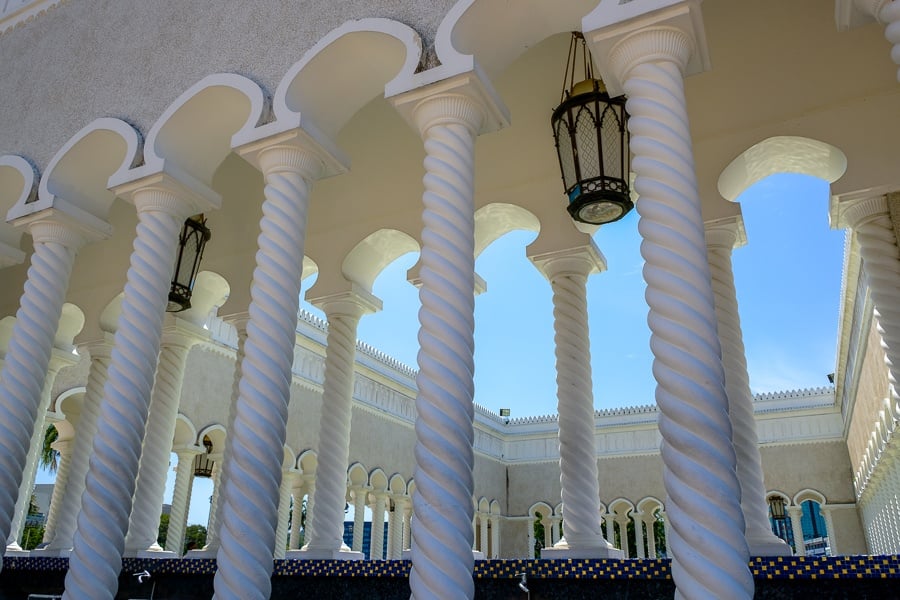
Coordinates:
[14,13]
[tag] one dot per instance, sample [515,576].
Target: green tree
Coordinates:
[539,539]
[163,530]
[194,537]
[33,533]
[49,456]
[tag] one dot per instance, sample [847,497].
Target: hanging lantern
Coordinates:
[776,505]
[191,243]
[203,466]
[591,134]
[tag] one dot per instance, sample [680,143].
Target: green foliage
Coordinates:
[194,537]
[163,530]
[539,539]
[49,458]
[32,536]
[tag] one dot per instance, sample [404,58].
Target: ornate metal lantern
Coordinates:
[191,243]
[776,505]
[203,466]
[591,134]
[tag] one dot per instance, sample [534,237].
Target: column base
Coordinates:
[201,553]
[477,554]
[562,550]
[149,553]
[50,552]
[16,550]
[324,553]
[769,545]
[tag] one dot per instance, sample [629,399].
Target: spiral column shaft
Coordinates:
[359,516]
[58,360]
[710,554]
[297,513]
[568,270]
[284,511]
[109,485]
[150,486]
[376,546]
[343,312]
[181,498]
[890,16]
[64,447]
[220,473]
[60,541]
[442,511]
[250,494]
[28,354]
[721,238]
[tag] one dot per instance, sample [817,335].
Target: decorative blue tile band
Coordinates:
[781,567]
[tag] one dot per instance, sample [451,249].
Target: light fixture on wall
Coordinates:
[203,466]
[191,242]
[591,134]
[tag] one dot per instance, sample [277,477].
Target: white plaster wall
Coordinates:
[131,58]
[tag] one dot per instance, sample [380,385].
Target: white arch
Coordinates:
[77,178]
[493,221]
[17,186]
[194,133]
[809,494]
[328,103]
[376,251]
[781,154]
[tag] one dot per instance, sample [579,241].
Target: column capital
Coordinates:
[854,210]
[189,451]
[170,191]
[726,234]
[579,260]
[273,149]
[624,35]
[180,333]
[353,302]
[64,224]
[467,99]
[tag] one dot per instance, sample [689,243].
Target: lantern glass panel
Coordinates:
[194,235]
[566,158]
[586,133]
[611,136]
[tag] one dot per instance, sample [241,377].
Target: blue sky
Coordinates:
[788,281]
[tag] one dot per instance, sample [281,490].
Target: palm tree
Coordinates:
[49,457]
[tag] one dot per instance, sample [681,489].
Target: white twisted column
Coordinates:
[568,270]
[359,515]
[181,498]
[64,447]
[495,537]
[651,536]
[710,555]
[143,527]
[28,352]
[529,551]
[376,543]
[796,515]
[288,474]
[60,541]
[638,518]
[832,538]
[297,513]
[483,531]
[395,527]
[250,495]
[721,238]
[442,508]
[870,220]
[220,470]
[407,518]
[99,542]
[343,311]
[623,535]
[58,359]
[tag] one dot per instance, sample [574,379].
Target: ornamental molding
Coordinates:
[17,13]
